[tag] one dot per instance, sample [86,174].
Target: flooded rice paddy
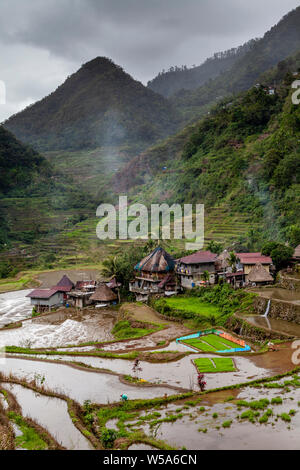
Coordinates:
[279,294]
[181,373]
[77,384]
[14,306]
[52,414]
[195,428]
[274,324]
[200,426]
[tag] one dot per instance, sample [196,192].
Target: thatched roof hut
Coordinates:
[159,261]
[222,261]
[103,294]
[259,274]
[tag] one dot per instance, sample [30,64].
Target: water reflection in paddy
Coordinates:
[52,414]
[289,328]
[241,434]
[279,294]
[181,373]
[78,384]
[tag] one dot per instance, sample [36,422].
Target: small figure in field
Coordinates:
[136,366]
[124,397]
[201,382]
[272,347]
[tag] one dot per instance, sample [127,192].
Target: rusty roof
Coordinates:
[65,281]
[42,293]
[199,257]
[253,258]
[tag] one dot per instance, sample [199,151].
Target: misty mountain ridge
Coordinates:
[169,82]
[98,105]
[281,41]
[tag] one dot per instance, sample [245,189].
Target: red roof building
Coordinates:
[46,298]
[248,260]
[191,268]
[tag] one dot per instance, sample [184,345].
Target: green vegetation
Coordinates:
[254,404]
[191,304]
[255,65]
[123,330]
[215,365]
[285,417]
[279,253]
[242,160]
[95,106]
[227,424]
[176,79]
[206,307]
[276,401]
[29,439]
[211,343]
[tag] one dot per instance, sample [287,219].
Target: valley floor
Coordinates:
[66,370]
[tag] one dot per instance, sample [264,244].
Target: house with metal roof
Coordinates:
[191,268]
[46,299]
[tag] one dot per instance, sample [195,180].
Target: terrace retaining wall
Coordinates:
[281,309]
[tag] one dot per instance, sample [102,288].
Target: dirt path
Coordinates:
[149,342]
[143,313]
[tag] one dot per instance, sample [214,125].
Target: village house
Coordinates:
[103,296]
[191,268]
[259,276]
[86,286]
[296,254]
[46,299]
[79,298]
[246,261]
[236,279]
[114,285]
[154,275]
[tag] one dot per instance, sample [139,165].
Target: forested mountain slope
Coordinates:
[244,156]
[99,105]
[176,78]
[281,41]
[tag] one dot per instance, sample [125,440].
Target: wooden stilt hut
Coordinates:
[154,275]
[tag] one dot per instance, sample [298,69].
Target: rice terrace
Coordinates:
[149,230]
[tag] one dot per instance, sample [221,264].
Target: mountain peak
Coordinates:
[98,105]
[99,64]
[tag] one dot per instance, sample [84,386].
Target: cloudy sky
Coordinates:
[44,41]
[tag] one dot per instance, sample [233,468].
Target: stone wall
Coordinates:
[289,283]
[250,332]
[278,309]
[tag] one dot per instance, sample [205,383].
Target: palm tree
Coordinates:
[110,266]
[233,259]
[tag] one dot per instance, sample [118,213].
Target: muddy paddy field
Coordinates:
[64,372]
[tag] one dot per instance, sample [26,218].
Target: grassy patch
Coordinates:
[192,304]
[211,343]
[123,330]
[215,365]
[29,439]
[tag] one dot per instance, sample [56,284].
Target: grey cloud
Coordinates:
[42,41]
